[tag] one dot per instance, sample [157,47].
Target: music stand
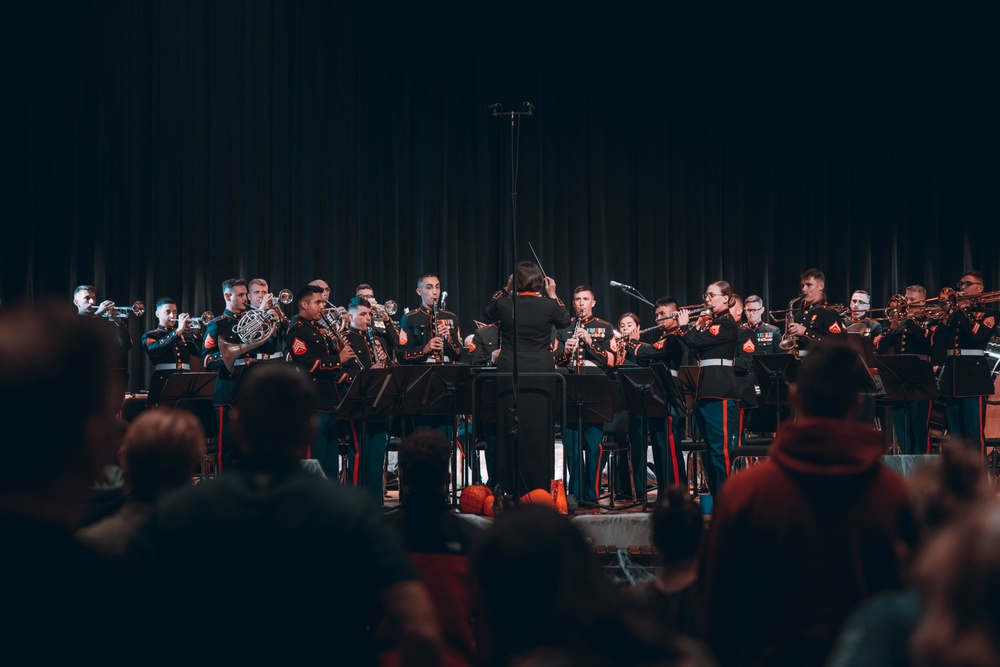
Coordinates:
[182,385]
[650,392]
[593,394]
[774,373]
[906,378]
[533,385]
[443,395]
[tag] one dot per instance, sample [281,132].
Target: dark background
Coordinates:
[158,148]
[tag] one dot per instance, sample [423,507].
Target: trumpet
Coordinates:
[122,312]
[382,309]
[202,322]
[270,302]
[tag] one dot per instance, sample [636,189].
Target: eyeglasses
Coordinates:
[755,310]
[962,284]
[861,303]
[710,295]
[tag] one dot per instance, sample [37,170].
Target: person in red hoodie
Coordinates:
[797,542]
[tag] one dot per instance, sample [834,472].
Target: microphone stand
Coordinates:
[496,110]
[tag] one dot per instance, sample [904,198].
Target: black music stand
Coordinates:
[592,394]
[442,396]
[774,373]
[650,392]
[532,385]
[182,385]
[906,378]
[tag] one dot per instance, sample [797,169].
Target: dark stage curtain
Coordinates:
[158,148]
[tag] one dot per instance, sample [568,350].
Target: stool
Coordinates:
[697,483]
[616,449]
[747,453]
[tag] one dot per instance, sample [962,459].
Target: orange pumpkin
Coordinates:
[488,506]
[471,499]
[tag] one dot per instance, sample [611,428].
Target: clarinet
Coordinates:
[374,347]
[434,327]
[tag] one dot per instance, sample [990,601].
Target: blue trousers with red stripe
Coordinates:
[717,419]
[592,435]
[967,420]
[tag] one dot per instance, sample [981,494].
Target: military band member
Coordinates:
[220,335]
[664,346]
[585,346]
[372,435]
[766,336]
[261,298]
[965,380]
[861,303]
[85,300]
[713,339]
[309,346]
[381,321]
[911,420]
[484,347]
[813,319]
[743,366]
[324,287]
[430,334]
[172,343]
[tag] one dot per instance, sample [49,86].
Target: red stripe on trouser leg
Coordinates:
[980,411]
[725,434]
[357,454]
[673,451]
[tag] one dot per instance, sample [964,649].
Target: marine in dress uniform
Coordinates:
[910,419]
[594,352]
[664,346]
[85,300]
[959,342]
[172,343]
[309,347]
[713,340]
[814,320]
[369,438]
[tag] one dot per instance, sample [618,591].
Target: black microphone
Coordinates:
[615,283]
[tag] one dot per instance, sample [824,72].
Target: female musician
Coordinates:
[536,317]
[713,338]
[628,327]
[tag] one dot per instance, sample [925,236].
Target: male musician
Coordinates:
[172,343]
[765,341]
[812,319]
[586,346]
[310,348]
[965,378]
[368,353]
[85,300]
[861,303]
[430,334]
[380,321]
[262,299]
[766,336]
[910,419]
[484,348]
[220,337]
[667,348]
[745,380]
[324,287]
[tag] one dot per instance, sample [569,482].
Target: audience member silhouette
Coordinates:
[959,573]
[546,601]
[672,598]
[160,452]
[439,542]
[298,565]
[65,602]
[797,542]
[940,493]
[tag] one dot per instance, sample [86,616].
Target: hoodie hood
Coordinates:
[827,447]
